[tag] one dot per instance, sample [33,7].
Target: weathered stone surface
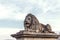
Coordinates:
[32,24]
[35,30]
[37,39]
[35,35]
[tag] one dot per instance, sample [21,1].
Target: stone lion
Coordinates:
[32,24]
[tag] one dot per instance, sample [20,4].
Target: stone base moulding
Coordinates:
[36,36]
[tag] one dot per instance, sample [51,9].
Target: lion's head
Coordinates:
[31,22]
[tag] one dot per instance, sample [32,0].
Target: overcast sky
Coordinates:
[13,12]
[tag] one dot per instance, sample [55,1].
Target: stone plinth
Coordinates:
[35,30]
[35,36]
[37,39]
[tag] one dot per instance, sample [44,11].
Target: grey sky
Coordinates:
[13,12]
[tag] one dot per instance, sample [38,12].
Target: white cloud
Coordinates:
[20,16]
[4,13]
[8,13]
[49,9]
[33,1]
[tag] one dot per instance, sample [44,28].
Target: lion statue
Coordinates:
[31,24]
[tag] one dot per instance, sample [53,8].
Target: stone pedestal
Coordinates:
[35,36]
[37,39]
[35,30]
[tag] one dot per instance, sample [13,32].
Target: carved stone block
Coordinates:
[36,36]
